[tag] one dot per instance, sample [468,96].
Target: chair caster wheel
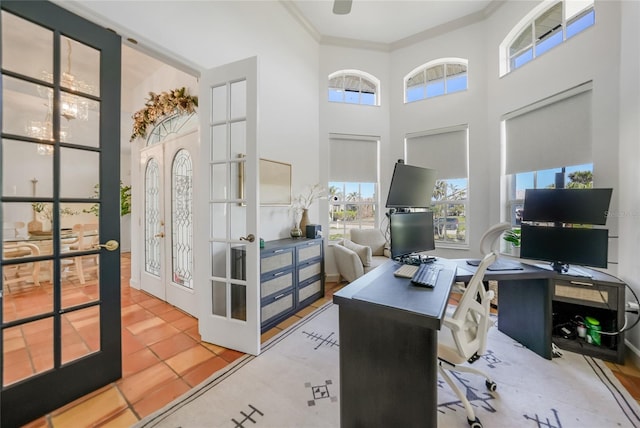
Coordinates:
[491,385]
[475,424]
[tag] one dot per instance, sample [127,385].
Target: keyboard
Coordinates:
[426,275]
[406,271]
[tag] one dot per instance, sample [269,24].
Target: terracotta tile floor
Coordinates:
[163,358]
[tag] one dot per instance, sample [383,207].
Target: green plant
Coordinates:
[125,200]
[512,236]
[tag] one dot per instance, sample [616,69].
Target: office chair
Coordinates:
[490,238]
[466,339]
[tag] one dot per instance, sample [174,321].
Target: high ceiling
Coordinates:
[384,21]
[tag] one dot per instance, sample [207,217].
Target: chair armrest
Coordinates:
[348,263]
[453,324]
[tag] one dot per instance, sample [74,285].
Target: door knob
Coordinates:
[110,245]
[249,238]
[159,235]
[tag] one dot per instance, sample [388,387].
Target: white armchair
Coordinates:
[366,250]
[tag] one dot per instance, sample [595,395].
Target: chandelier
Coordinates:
[43,130]
[71,106]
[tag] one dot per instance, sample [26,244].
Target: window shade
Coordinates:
[553,135]
[353,160]
[444,151]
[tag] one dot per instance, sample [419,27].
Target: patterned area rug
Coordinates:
[295,383]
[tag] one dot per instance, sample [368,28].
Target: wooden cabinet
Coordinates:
[291,277]
[600,298]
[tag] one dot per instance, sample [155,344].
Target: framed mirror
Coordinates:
[275,183]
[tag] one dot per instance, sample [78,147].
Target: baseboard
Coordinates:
[332,277]
[632,354]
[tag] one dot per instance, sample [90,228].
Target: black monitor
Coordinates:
[563,246]
[411,186]
[575,206]
[411,232]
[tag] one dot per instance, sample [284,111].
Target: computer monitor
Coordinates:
[564,246]
[411,232]
[411,186]
[575,206]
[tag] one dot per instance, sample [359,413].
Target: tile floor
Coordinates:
[163,358]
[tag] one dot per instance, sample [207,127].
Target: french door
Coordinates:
[167,183]
[59,334]
[229,311]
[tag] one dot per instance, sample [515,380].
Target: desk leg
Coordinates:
[388,372]
[524,313]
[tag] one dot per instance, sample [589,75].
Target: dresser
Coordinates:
[291,277]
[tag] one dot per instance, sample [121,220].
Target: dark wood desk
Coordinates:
[529,299]
[388,348]
[388,333]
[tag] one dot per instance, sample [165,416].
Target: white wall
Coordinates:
[629,157]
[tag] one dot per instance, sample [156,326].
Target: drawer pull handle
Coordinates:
[278,273]
[278,251]
[582,283]
[279,296]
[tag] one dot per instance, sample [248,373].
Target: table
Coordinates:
[388,348]
[388,332]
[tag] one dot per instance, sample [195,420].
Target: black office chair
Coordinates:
[466,338]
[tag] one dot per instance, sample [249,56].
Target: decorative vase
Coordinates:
[296,232]
[304,221]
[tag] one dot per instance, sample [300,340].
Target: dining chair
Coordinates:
[23,272]
[85,238]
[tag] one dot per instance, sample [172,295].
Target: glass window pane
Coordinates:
[522,42]
[457,83]
[239,302]
[218,175]
[80,333]
[416,93]
[238,138]
[25,172]
[219,143]
[351,97]
[435,89]
[219,259]
[549,42]
[24,293]
[218,228]
[152,218]
[548,22]
[336,95]
[27,350]
[219,104]
[80,67]
[219,298]
[26,109]
[181,218]
[522,59]
[82,174]
[80,120]
[368,99]
[238,99]
[38,47]
[238,214]
[578,25]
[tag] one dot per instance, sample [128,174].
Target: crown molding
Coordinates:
[298,16]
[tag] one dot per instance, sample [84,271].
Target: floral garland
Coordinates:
[159,106]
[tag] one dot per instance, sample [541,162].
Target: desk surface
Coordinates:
[393,297]
[530,270]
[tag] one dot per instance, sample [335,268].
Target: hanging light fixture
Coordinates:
[73,106]
[43,130]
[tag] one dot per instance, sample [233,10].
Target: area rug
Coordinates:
[295,383]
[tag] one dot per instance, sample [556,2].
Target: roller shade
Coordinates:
[553,135]
[444,151]
[353,160]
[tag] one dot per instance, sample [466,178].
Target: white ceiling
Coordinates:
[384,21]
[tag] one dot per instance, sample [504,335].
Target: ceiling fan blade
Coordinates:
[342,7]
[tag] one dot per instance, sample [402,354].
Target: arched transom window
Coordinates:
[354,87]
[546,26]
[438,77]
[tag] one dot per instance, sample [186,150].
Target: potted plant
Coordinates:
[513,237]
